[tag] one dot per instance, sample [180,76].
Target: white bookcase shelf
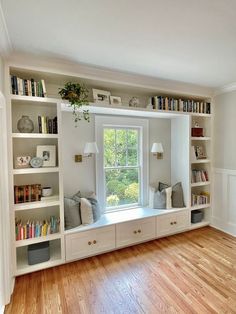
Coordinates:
[35,205]
[34,99]
[34,135]
[49,237]
[202,206]
[201,161]
[200,184]
[196,138]
[35,170]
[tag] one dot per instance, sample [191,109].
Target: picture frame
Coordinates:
[101,96]
[115,101]
[48,154]
[22,162]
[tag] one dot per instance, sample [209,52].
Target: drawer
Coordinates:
[135,231]
[172,223]
[87,243]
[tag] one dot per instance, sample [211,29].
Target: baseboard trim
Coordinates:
[2,309]
[224,229]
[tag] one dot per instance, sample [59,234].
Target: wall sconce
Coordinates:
[89,150]
[157,150]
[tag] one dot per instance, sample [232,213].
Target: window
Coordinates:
[122,162]
[121,166]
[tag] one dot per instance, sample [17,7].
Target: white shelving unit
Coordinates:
[181,142]
[50,176]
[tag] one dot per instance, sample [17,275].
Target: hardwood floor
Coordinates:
[193,272]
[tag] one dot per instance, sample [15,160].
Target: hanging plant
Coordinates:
[77,95]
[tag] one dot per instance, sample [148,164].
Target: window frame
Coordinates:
[142,125]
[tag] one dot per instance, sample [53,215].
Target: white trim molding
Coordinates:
[5,42]
[224,201]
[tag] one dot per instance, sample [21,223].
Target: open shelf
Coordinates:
[199,224]
[34,98]
[34,205]
[201,161]
[196,138]
[35,170]
[202,206]
[49,237]
[200,183]
[22,259]
[33,135]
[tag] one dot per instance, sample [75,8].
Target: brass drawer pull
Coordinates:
[135,231]
[89,242]
[139,231]
[171,223]
[94,241]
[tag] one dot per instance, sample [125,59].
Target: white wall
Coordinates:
[224,184]
[1,74]
[81,176]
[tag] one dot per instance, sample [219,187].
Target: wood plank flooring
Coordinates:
[193,272]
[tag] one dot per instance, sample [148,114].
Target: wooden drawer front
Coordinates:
[172,223]
[135,231]
[88,243]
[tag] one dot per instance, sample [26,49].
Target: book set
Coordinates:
[27,193]
[200,199]
[24,87]
[47,125]
[199,176]
[32,229]
[172,104]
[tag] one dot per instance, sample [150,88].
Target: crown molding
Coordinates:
[225,89]
[5,42]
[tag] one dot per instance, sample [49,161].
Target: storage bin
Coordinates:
[196,216]
[38,253]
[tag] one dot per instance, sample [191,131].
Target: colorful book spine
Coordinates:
[25,87]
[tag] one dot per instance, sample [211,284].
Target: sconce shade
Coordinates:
[157,148]
[91,148]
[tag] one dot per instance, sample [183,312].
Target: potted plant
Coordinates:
[77,95]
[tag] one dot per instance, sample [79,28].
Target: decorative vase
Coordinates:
[25,125]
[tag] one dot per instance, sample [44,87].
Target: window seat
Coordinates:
[117,217]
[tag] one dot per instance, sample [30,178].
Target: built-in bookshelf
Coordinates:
[35,93]
[40,220]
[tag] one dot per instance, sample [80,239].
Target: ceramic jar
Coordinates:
[25,125]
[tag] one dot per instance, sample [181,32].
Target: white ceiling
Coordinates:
[184,40]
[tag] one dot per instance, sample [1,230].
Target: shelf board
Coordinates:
[130,111]
[35,170]
[200,183]
[201,161]
[33,135]
[199,224]
[49,237]
[24,268]
[198,138]
[202,206]
[35,205]
[34,99]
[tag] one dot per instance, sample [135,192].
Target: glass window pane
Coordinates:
[132,139]
[122,187]
[109,147]
[132,156]
[121,147]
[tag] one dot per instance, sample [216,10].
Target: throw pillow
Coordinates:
[95,208]
[177,195]
[168,197]
[159,199]
[72,215]
[86,211]
[162,186]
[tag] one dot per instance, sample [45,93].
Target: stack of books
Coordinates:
[27,193]
[199,175]
[47,125]
[32,229]
[200,199]
[172,104]
[24,87]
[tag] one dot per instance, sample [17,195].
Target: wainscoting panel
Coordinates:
[224,200]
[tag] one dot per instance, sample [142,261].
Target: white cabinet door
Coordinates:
[172,223]
[135,231]
[87,243]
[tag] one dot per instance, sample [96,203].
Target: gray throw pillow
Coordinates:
[95,208]
[159,200]
[177,195]
[72,213]
[162,186]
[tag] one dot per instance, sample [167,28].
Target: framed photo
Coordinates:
[101,96]
[22,161]
[48,154]
[115,100]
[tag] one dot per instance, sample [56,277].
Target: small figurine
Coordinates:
[134,102]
